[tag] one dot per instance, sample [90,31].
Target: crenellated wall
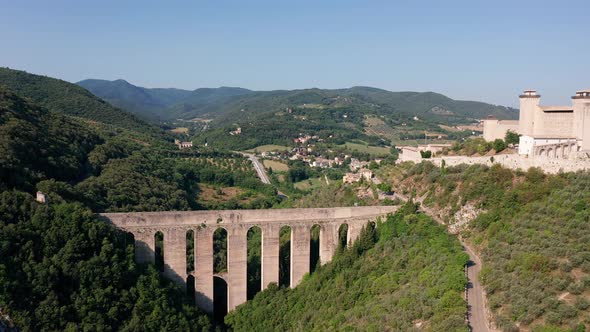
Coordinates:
[174,225]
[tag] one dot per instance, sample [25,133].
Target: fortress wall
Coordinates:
[554,124]
[514,161]
[410,154]
[494,129]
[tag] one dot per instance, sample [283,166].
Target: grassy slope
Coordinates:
[533,238]
[375,151]
[412,275]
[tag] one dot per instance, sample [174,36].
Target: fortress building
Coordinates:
[547,131]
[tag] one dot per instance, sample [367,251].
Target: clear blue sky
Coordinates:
[480,50]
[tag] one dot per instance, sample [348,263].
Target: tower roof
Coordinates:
[582,94]
[530,94]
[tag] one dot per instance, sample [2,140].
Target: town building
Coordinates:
[547,131]
[413,153]
[363,174]
[183,145]
[356,164]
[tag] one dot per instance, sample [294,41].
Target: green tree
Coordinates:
[499,145]
[511,137]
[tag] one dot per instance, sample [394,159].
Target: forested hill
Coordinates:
[60,268]
[36,144]
[235,103]
[63,97]
[405,275]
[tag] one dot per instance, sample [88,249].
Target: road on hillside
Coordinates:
[258,167]
[476,306]
[476,302]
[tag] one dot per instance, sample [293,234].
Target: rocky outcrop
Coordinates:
[463,217]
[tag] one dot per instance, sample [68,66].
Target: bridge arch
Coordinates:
[220,298]
[190,251]
[220,254]
[254,254]
[343,236]
[315,237]
[159,251]
[190,287]
[285,239]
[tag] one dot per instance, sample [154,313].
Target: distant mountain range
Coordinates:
[227,104]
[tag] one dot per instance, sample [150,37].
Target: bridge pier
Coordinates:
[354,230]
[270,254]
[237,265]
[328,242]
[204,268]
[175,255]
[145,246]
[300,250]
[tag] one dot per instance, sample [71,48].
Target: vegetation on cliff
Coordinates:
[532,231]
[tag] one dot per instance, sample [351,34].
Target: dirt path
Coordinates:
[476,302]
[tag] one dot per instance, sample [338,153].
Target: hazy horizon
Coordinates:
[468,51]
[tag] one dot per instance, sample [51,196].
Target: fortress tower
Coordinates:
[581,106]
[529,109]
[529,105]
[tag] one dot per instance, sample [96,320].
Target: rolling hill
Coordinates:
[67,98]
[159,103]
[236,103]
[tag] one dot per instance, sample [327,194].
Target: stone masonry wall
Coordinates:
[514,161]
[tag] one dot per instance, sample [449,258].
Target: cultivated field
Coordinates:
[275,165]
[180,130]
[376,151]
[312,183]
[268,148]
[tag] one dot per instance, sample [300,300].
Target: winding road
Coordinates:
[258,167]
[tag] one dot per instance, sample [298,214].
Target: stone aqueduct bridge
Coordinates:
[174,225]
